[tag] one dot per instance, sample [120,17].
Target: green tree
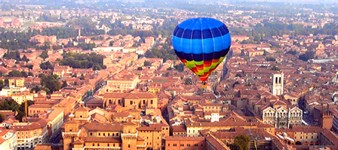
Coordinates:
[241,143]
[78,60]
[46,65]
[15,73]
[2,118]
[307,55]
[275,68]
[12,55]
[188,81]
[64,84]
[147,63]
[50,83]
[270,59]
[6,81]
[24,58]
[44,55]
[2,84]
[179,67]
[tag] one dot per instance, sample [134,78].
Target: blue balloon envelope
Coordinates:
[201,44]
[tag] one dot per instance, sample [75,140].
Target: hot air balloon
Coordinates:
[201,44]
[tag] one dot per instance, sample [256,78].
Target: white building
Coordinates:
[8,140]
[277,84]
[282,117]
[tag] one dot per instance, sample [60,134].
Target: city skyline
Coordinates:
[115,75]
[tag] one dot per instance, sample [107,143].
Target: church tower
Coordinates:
[129,136]
[326,121]
[277,84]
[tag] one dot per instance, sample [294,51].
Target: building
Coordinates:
[8,139]
[16,82]
[41,40]
[30,134]
[184,143]
[277,84]
[131,100]
[282,117]
[122,84]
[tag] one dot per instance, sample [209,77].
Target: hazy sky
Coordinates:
[284,1]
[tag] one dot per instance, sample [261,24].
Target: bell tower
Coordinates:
[277,84]
[129,136]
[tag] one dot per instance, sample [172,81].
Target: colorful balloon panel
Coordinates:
[201,44]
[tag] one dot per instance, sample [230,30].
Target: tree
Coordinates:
[6,81]
[179,67]
[307,55]
[9,104]
[46,65]
[12,55]
[14,73]
[35,89]
[270,59]
[147,63]
[50,83]
[2,84]
[24,58]
[275,68]
[44,55]
[188,81]
[241,143]
[78,60]
[64,84]
[2,118]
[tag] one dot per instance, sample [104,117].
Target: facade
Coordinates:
[124,84]
[31,134]
[282,117]
[8,139]
[131,100]
[55,121]
[185,143]
[87,130]
[277,84]
[16,82]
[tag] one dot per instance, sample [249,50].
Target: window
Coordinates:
[195,145]
[128,145]
[188,144]
[174,144]
[182,145]
[104,134]
[91,134]
[151,101]
[131,102]
[168,144]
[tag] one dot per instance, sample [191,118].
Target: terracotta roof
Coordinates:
[96,126]
[180,128]
[152,127]
[41,123]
